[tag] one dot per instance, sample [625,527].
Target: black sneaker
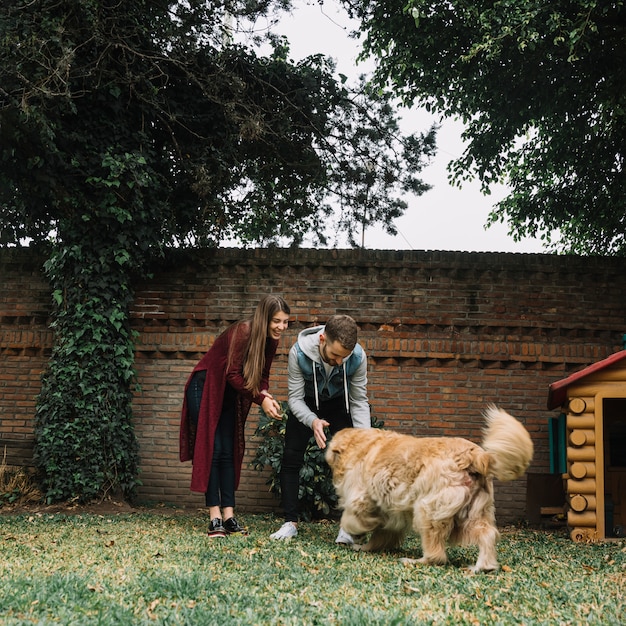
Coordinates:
[231,526]
[216,529]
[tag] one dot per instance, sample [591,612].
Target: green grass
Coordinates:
[162,569]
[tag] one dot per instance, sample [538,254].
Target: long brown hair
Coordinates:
[254,356]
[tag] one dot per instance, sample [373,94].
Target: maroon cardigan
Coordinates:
[197,444]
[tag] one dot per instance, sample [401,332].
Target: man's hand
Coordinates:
[318,430]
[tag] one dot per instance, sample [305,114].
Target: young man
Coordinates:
[327,383]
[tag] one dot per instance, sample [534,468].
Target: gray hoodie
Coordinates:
[307,377]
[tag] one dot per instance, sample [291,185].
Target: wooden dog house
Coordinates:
[593,402]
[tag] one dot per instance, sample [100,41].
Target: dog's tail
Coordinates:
[507,443]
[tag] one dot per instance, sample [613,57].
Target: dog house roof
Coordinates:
[557,391]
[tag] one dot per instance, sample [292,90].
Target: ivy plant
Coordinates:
[85,446]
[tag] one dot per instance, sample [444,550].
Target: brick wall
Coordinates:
[445,333]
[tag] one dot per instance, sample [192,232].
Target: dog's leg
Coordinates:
[352,524]
[479,529]
[389,532]
[360,517]
[486,538]
[434,535]
[383,539]
[433,520]
[481,532]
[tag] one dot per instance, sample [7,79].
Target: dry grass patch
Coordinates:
[17,484]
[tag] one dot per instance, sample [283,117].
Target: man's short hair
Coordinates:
[341,328]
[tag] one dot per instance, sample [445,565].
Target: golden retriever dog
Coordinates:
[442,487]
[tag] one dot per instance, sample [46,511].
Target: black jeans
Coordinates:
[221,488]
[297,437]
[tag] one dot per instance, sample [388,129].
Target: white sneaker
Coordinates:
[287,531]
[344,537]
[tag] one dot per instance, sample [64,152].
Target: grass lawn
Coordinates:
[151,568]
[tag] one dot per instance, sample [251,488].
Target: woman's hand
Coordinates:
[271,406]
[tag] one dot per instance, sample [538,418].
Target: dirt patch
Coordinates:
[104,507]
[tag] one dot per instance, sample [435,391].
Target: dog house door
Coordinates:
[614,444]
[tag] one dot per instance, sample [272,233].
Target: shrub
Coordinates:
[316,495]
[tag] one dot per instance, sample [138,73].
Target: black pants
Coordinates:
[221,488]
[297,437]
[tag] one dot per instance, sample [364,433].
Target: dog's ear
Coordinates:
[332,456]
[333,450]
[336,446]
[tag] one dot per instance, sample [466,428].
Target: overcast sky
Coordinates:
[444,218]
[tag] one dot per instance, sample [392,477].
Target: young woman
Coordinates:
[232,375]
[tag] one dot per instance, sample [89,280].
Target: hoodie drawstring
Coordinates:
[345,389]
[317,398]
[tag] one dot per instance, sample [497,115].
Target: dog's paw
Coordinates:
[407,561]
[475,569]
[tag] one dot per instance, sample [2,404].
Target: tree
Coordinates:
[540,88]
[362,177]
[130,126]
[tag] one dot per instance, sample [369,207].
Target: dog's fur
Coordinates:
[442,487]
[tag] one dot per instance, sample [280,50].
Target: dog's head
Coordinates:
[339,443]
[347,447]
